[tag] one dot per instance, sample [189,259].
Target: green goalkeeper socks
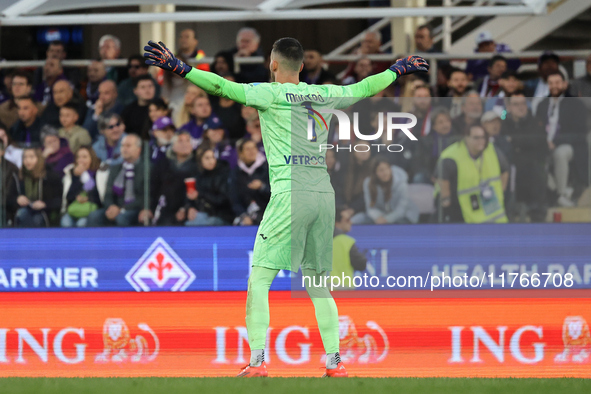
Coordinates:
[327,314]
[257,306]
[257,309]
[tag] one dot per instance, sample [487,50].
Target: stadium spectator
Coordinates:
[581,87]
[424,39]
[26,130]
[385,193]
[21,85]
[358,167]
[106,104]
[249,185]
[346,256]
[229,113]
[491,123]
[136,66]
[333,166]
[471,178]
[9,177]
[108,145]
[174,87]
[214,137]
[528,140]
[210,204]
[314,72]
[370,45]
[52,72]
[472,110]
[70,130]
[489,85]
[96,73]
[5,85]
[110,49]
[40,192]
[457,83]
[247,45]
[253,133]
[63,92]
[162,132]
[421,107]
[510,85]
[223,63]
[183,115]
[124,198]
[362,69]
[136,115]
[57,50]
[80,195]
[430,147]
[157,109]
[56,152]
[565,119]
[12,153]
[200,114]
[548,63]
[485,43]
[167,186]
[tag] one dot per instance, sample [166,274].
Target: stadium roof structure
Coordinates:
[48,12]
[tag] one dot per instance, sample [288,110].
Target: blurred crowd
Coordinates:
[122,146]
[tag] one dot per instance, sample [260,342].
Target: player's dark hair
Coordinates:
[139,78]
[497,58]
[291,50]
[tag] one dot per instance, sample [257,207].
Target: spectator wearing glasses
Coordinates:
[136,66]
[471,178]
[108,145]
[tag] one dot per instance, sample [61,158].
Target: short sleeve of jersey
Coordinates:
[259,95]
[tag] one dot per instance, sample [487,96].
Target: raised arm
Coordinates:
[157,54]
[374,84]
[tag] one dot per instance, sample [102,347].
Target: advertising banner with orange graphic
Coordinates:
[203,334]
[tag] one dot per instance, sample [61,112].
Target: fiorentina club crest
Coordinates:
[160,269]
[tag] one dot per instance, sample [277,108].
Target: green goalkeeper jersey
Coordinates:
[292,128]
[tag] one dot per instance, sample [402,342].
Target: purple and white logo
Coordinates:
[160,269]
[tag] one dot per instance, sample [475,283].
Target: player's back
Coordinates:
[293,132]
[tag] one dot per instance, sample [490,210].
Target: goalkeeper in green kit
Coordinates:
[298,224]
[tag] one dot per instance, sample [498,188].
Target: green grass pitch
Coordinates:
[292,385]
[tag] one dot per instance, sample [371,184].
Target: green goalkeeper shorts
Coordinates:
[296,230]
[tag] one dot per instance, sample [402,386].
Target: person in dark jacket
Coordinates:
[565,118]
[9,192]
[529,151]
[80,186]
[124,197]
[56,151]
[249,185]
[40,192]
[430,146]
[26,131]
[209,205]
[167,186]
